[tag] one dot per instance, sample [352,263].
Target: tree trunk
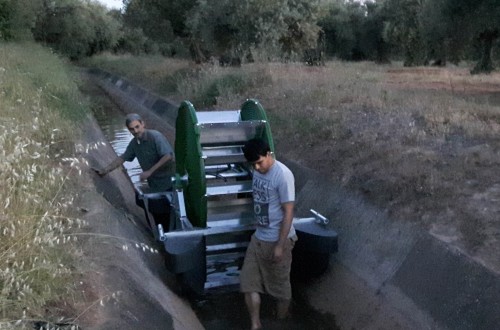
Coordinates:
[382,52]
[485,64]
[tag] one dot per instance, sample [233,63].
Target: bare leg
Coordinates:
[252,299]
[282,308]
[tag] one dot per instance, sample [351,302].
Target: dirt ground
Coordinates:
[443,181]
[468,215]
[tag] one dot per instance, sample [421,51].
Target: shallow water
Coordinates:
[227,310]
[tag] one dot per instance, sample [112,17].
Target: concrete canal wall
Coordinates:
[387,273]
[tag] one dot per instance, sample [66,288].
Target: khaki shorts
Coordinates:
[261,274]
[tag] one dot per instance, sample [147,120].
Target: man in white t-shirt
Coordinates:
[268,259]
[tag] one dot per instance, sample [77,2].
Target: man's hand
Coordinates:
[114,164]
[145,175]
[278,252]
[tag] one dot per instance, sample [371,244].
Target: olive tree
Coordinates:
[276,28]
[474,22]
[404,30]
[163,23]
[18,18]
[76,28]
[342,23]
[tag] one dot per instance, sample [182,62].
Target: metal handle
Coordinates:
[161,233]
[320,218]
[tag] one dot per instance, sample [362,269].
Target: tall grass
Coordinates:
[153,72]
[204,85]
[39,102]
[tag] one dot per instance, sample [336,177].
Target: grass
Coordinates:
[40,105]
[149,71]
[179,80]
[419,143]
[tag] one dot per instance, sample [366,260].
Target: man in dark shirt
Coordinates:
[156,158]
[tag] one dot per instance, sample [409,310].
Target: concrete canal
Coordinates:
[221,308]
[386,275]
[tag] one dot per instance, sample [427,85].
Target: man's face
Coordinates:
[136,127]
[264,163]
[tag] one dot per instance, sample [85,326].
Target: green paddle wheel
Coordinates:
[253,110]
[213,200]
[189,145]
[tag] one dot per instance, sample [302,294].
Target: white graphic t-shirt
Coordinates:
[270,190]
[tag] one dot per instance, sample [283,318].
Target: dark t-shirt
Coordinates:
[149,149]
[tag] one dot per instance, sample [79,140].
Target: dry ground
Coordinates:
[437,166]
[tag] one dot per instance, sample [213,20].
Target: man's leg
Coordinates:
[252,300]
[160,209]
[283,308]
[140,202]
[280,286]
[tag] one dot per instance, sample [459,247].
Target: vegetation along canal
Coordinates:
[220,308]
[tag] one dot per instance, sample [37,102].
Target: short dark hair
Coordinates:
[132,117]
[255,148]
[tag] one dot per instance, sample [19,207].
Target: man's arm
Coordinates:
[146,174]
[114,164]
[286,224]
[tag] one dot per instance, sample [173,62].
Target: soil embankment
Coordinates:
[386,275]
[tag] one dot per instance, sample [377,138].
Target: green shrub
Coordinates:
[170,83]
[224,85]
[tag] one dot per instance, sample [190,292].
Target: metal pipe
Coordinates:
[161,233]
[320,218]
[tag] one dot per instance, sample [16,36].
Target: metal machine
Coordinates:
[212,207]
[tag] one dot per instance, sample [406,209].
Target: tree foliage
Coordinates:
[438,47]
[273,28]
[163,23]
[17,18]
[75,28]
[403,29]
[342,24]
[476,22]
[419,32]
[373,43]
